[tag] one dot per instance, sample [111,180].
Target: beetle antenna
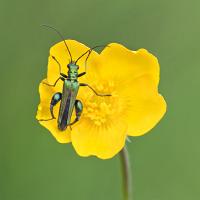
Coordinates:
[89,50]
[61,37]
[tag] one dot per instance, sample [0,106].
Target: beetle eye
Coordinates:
[68,66]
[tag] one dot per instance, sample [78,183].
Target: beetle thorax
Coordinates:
[73,71]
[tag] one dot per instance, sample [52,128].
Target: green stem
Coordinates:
[126,171]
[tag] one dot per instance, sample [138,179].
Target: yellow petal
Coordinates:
[136,76]
[46,93]
[135,106]
[103,142]
[59,51]
[120,63]
[144,107]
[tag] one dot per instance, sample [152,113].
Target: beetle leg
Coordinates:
[57,63]
[85,84]
[78,109]
[55,82]
[64,75]
[55,99]
[83,73]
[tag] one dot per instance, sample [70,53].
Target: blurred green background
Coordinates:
[165,163]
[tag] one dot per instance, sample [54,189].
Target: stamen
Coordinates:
[99,110]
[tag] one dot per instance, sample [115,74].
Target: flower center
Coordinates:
[100,109]
[98,113]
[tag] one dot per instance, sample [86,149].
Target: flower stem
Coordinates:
[126,172]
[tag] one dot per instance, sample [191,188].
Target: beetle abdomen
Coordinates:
[65,117]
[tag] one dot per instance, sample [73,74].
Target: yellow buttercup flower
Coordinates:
[134,107]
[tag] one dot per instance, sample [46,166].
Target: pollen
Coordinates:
[99,109]
[99,113]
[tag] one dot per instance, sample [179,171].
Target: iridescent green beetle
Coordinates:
[70,90]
